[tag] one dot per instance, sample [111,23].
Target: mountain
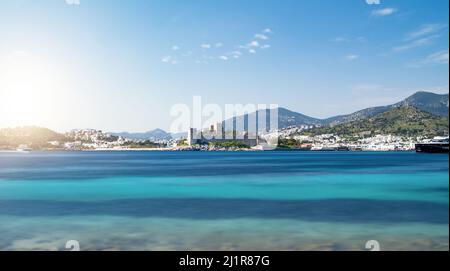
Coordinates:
[436,104]
[156,134]
[404,120]
[34,137]
[286,118]
[179,136]
[429,102]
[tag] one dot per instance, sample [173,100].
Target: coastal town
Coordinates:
[419,122]
[287,139]
[405,126]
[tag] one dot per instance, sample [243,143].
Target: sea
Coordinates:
[227,201]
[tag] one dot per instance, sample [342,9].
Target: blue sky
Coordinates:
[121,65]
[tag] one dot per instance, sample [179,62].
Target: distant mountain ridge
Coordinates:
[404,120]
[436,104]
[157,134]
[286,118]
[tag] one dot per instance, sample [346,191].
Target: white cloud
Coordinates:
[254,44]
[438,58]
[169,60]
[73,2]
[257,42]
[340,39]
[261,37]
[423,36]
[352,57]
[166,59]
[416,43]
[383,12]
[424,30]
[236,54]
[344,39]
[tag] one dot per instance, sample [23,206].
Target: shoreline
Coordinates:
[194,150]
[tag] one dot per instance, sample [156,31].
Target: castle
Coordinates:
[217,134]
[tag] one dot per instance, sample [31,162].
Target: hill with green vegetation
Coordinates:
[147,144]
[405,121]
[33,137]
[436,104]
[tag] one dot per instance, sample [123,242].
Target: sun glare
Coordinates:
[29,89]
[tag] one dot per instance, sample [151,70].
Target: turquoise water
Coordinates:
[224,200]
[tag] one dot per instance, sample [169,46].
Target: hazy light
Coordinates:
[29,89]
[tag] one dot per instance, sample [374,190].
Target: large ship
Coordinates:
[436,145]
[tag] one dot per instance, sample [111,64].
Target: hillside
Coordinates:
[286,118]
[436,104]
[34,137]
[401,121]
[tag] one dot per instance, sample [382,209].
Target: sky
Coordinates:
[122,65]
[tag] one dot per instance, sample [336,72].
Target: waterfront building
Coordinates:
[217,134]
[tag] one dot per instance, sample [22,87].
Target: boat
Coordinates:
[436,145]
[23,148]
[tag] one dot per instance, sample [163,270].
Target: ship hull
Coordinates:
[432,148]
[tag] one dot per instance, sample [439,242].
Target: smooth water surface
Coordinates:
[224,200]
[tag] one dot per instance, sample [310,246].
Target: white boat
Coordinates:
[23,148]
